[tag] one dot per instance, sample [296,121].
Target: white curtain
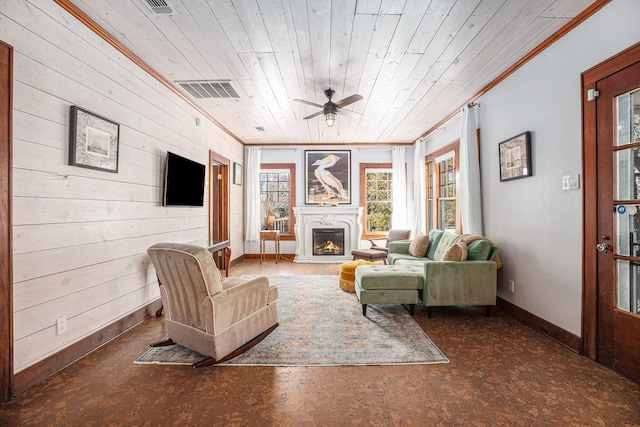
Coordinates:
[399,188]
[419,190]
[470,190]
[252,215]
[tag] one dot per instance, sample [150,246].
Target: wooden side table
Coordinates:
[269,235]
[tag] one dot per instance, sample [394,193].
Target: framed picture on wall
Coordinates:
[237,173]
[327,177]
[93,141]
[515,157]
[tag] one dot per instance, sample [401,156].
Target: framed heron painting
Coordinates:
[327,177]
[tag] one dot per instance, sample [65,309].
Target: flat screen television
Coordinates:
[183,182]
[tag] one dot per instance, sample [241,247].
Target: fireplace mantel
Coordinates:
[310,217]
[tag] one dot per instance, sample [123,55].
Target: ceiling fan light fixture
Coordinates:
[330,118]
[331,109]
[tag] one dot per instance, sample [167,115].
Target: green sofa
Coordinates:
[452,283]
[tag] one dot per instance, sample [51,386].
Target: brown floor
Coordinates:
[502,373]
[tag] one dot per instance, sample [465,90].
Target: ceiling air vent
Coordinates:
[209,88]
[160,7]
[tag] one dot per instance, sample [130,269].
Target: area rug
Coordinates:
[322,325]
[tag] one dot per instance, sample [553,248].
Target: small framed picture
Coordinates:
[515,157]
[93,141]
[237,173]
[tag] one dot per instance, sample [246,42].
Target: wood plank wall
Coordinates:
[80,235]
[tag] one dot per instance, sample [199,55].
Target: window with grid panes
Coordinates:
[379,198]
[275,199]
[447,194]
[441,189]
[429,205]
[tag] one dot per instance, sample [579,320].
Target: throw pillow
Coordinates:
[479,249]
[434,240]
[419,245]
[464,249]
[457,252]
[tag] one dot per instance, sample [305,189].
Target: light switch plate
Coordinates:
[571,182]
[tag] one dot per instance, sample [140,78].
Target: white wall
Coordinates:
[537,225]
[80,235]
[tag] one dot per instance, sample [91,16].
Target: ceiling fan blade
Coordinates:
[348,100]
[308,103]
[313,115]
[350,113]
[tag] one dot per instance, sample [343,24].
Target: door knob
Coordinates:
[604,246]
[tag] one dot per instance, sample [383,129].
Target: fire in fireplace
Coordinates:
[328,241]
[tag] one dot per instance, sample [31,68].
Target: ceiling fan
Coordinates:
[331,109]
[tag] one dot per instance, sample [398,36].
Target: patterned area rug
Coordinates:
[322,325]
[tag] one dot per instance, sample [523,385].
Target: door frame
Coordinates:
[590,238]
[6,248]
[219,200]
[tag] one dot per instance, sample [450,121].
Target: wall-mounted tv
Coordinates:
[183,182]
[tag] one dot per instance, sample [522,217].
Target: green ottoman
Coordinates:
[389,284]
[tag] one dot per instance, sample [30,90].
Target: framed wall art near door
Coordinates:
[327,177]
[93,141]
[237,173]
[515,157]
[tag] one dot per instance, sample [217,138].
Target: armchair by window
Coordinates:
[216,317]
[392,236]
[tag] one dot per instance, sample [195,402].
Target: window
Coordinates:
[429,170]
[277,197]
[376,197]
[442,195]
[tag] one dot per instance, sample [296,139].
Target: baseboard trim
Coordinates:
[269,256]
[33,375]
[236,261]
[566,338]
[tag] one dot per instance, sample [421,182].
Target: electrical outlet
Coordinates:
[512,286]
[61,325]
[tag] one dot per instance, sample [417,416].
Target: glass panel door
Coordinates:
[628,204]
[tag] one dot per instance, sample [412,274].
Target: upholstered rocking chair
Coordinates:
[219,318]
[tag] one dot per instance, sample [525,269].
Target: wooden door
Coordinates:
[218,197]
[609,324]
[219,206]
[618,181]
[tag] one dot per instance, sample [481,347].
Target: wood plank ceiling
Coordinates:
[413,61]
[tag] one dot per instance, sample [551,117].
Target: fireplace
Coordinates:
[313,219]
[328,241]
